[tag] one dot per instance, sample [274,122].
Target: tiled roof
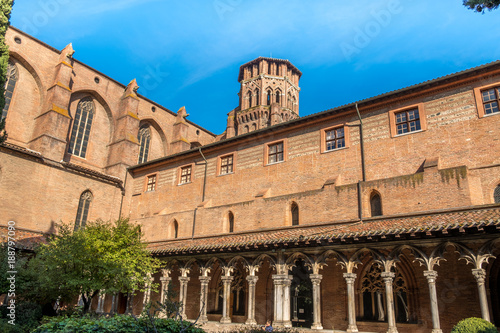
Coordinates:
[437,224]
[24,239]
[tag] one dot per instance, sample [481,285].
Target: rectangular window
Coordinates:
[226,165]
[275,153]
[490,100]
[185,175]
[151,186]
[407,121]
[334,139]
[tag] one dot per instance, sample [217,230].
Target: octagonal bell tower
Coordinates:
[269,95]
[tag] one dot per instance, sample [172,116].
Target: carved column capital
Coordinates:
[431,276]
[350,277]
[252,279]
[316,278]
[388,277]
[184,279]
[479,274]
[204,279]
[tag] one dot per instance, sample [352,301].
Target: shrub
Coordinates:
[474,325]
[118,323]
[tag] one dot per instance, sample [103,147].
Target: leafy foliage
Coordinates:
[102,256]
[6,9]
[481,6]
[474,325]
[118,323]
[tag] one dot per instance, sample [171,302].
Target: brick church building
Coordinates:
[381,215]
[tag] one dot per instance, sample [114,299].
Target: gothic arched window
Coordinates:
[375,204]
[82,123]
[249,97]
[269,68]
[144,138]
[230,218]
[294,209]
[269,93]
[83,209]
[174,229]
[496,194]
[278,94]
[12,77]
[257,97]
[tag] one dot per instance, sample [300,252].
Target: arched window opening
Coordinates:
[294,209]
[277,69]
[254,127]
[269,93]
[12,77]
[278,94]
[289,101]
[249,98]
[269,68]
[144,138]
[496,194]
[257,97]
[246,129]
[373,303]
[81,127]
[375,204]
[230,219]
[83,209]
[174,232]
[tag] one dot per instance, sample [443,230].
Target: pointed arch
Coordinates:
[12,76]
[249,98]
[144,137]
[230,221]
[375,204]
[82,123]
[173,229]
[257,96]
[82,213]
[268,98]
[496,194]
[294,213]
[277,96]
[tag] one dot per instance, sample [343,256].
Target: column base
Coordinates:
[225,320]
[352,329]
[437,330]
[287,324]
[392,330]
[317,326]
[203,320]
[251,322]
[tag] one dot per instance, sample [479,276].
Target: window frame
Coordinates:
[146,182]
[83,210]
[323,137]
[273,143]
[478,95]
[75,140]
[421,115]
[220,166]
[190,166]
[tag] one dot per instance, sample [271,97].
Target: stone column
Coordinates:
[287,282]
[204,280]
[114,304]
[226,318]
[431,280]
[130,299]
[164,281]
[147,292]
[316,293]
[100,303]
[388,277]
[252,281]
[351,308]
[480,275]
[183,295]
[278,300]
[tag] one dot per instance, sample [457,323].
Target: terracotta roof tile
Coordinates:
[379,227]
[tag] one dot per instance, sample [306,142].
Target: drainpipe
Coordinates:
[203,194]
[360,199]
[123,194]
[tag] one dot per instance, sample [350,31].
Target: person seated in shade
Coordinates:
[268,327]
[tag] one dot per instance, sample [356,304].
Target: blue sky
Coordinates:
[188,53]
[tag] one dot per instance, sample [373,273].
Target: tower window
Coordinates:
[278,94]
[249,97]
[275,153]
[257,97]
[496,194]
[269,93]
[83,209]
[269,68]
[185,175]
[81,127]
[376,204]
[295,213]
[10,84]
[144,138]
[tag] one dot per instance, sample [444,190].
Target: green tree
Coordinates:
[481,6]
[6,9]
[103,256]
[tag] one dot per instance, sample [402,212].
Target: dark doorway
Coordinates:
[301,296]
[495,292]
